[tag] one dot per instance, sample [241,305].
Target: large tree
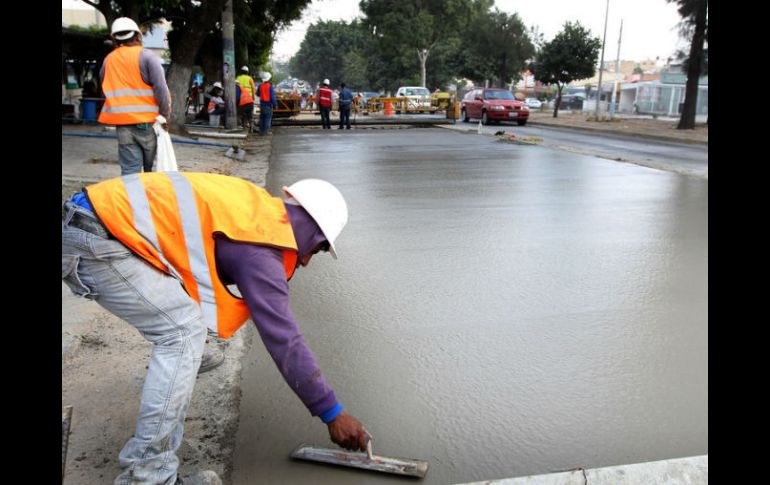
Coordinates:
[695,16]
[407,33]
[332,50]
[571,55]
[497,47]
[193,21]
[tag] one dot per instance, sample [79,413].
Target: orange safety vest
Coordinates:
[170,219]
[212,105]
[325,97]
[129,100]
[264,92]
[248,89]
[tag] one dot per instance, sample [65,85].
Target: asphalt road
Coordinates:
[684,158]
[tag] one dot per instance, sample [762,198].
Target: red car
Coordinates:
[493,104]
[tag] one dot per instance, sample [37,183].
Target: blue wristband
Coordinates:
[330,414]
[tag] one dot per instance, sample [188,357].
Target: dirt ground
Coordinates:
[104,359]
[660,128]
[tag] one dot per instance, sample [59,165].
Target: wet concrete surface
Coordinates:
[498,310]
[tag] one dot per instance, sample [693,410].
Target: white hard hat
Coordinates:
[266,77]
[245,68]
[124,24]
[326,81]
[218,85]
[325,205]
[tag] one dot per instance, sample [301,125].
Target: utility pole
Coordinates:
[617,71]
[601,63]
[228,60]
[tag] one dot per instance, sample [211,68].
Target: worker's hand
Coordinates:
[348,432]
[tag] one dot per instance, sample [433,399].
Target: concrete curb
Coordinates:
[680,471]
[609,132]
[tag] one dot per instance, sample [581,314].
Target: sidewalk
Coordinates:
[104,359]
[680,471]
[640,126]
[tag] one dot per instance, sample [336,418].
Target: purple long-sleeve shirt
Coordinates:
[259,274]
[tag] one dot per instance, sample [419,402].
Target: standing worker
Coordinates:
[135,92]
[159,251]
[246,102]
[267,102]
[346,98]
[325,104]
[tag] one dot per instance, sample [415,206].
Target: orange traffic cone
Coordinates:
[388,109]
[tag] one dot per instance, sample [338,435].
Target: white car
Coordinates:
[533,103]
[418,97]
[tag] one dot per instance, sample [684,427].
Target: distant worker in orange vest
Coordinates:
[135,92]
[248,90]
[159,250]
[267,102]
[325,104]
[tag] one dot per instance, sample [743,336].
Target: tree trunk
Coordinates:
[687,121]
[556,104]
[183,53]
[423,55]
[178,78]
[182,61]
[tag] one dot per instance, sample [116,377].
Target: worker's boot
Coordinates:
[205,477]
[211,359]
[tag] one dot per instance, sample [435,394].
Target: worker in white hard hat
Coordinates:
[325,104]
[135,92]
[246,91]
[214,231]
[216,104]
[267,102]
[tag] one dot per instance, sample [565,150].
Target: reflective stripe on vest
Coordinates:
[129,100]
[170,219]
[247,89]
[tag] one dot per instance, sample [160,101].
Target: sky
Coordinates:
[649,26]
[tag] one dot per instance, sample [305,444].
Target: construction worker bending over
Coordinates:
[135,92]
[159,249]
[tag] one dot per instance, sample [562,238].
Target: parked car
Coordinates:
[533,103]
[418,97]
[493,104]
[569,101]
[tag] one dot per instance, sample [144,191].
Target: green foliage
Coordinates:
[400,31]
[91,29]
[570,56]
[498,47]
[333,50]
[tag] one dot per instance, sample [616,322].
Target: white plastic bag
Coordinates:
[165,160]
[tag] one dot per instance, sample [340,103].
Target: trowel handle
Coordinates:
[369,447]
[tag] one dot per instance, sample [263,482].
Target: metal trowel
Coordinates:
[365,461]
